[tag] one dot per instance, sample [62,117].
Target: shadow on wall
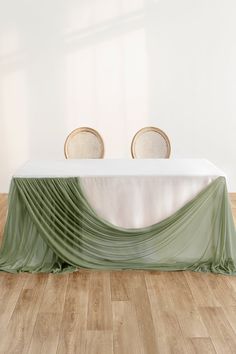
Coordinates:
[106,65]
[68,64]
[117,65]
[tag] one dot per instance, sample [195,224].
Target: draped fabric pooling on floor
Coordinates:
[52,228]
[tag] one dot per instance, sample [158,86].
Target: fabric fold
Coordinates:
[52,228]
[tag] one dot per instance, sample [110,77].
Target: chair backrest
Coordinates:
[84,143]
[150,143]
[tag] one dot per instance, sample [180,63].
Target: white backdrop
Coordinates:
[117,65]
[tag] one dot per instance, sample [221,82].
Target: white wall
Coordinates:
[117,65]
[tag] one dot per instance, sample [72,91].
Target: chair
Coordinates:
[84,143]
[149,143]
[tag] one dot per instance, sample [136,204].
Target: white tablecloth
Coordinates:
[132,193]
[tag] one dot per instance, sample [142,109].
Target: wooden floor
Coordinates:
[117,312]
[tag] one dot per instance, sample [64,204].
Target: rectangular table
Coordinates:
[119,214]
[148,190]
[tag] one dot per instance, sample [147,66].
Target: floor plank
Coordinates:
[23,318]
[11,287]
[46,333]
[125,328]
[72,336]
[139,296]
[98,342]
[99,302]
[200,346]
[45,337]
[202,292]
[162,307]
[119,286]
[219,328]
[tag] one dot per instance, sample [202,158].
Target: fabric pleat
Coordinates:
[52,228]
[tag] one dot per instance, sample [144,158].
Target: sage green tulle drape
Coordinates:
[52,228]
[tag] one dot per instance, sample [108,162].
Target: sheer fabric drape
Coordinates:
[52,228]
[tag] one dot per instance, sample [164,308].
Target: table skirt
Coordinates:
[51,227]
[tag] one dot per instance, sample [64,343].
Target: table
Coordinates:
[148,190]
[119,214]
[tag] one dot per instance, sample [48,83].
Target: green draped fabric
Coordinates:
[52,228]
